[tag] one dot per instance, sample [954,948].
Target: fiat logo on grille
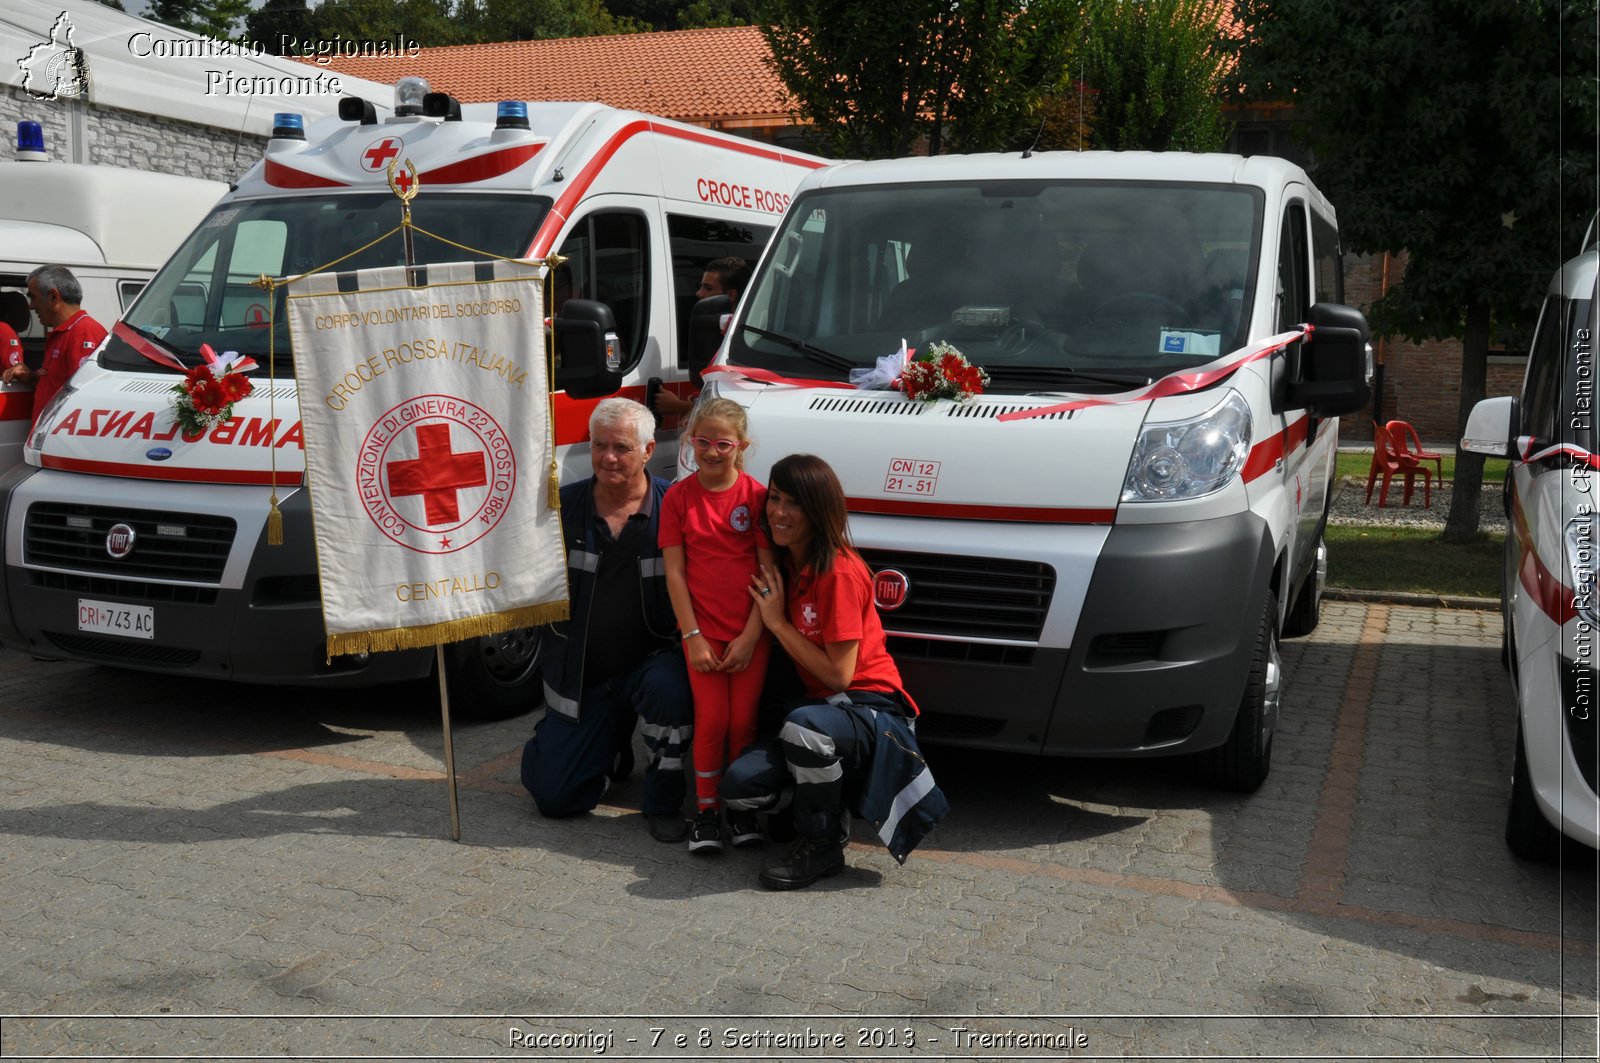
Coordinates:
[890,589]
[119,540]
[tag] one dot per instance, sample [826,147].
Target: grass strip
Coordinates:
[1413,560]
[1357,465]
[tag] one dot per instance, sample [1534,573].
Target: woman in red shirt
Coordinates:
[829,754]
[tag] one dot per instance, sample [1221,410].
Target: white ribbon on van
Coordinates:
[427,438]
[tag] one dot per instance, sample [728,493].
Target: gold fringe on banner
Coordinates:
[470,627]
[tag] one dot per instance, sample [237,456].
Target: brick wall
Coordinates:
[1421,381]
[79,132]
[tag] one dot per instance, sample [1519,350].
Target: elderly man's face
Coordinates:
[617,457]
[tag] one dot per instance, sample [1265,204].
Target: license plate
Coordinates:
[113,618]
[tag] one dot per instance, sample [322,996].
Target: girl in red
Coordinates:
[712,543]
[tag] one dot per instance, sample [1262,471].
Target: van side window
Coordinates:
[693,242]
[1294,281]
[608,256]
[1327,261]
[1541,391]
[126,290]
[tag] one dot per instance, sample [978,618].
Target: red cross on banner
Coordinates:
[437,474]
[378,155]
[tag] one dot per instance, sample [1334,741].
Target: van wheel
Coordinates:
[1306,614]
[1528,834]
[494,677]
[1241,763]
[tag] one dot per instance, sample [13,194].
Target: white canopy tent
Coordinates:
[149,68]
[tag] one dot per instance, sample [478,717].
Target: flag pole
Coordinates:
[407,191]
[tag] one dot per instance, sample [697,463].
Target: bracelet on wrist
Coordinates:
[687,635]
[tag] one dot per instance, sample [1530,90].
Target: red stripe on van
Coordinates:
[281,176]
[16,405]
[895,507]
[545,239]
[1266,454]
[482,167]
[1553,597]
[572,415]
[169,473]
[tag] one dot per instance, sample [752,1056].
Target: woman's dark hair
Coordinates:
[813,485]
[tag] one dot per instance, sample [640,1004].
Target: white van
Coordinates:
[112,226]
[1552,618]
[1106,580]
[636,203]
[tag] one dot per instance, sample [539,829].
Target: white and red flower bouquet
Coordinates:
[206,394]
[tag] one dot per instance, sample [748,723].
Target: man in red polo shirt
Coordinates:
[54,294]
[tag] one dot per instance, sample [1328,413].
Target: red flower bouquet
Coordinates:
[206,395]
[942,373]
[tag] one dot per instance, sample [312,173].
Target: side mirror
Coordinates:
[1335,374]
[1489,427]
[589,358]
[705,332]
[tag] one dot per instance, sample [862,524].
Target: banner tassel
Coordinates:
[274,523]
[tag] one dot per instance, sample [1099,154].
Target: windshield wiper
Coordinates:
[1061,375]
[806,350]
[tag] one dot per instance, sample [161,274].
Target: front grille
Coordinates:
[904,649]
[130,651]
[189,547]
[126,590]
[968,597]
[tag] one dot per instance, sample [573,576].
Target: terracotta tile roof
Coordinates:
[701,76]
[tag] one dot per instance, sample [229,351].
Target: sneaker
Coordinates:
[706,834]
[667,826]
[746,830]
[809,860]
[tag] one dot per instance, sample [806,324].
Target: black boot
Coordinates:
[809,860]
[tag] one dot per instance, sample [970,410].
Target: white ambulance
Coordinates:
[636,203]
[112,226]
[1552,618]
[1098,555]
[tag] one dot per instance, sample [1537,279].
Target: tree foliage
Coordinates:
[1460,134]
[219,19]
[873,78]
[1155,69]
[432,23]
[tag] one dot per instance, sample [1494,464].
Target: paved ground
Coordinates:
[201,870]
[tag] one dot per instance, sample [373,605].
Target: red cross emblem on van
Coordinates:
[377,156]
[890,588]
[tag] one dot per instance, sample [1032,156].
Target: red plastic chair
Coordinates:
[1390,460]
[1406,438]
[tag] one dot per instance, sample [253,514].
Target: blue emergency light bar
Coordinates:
[288,125]
[511,114]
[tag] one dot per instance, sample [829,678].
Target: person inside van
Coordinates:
[54,294]
[722,276]
[13,319]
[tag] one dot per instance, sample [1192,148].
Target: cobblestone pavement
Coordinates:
[199,870]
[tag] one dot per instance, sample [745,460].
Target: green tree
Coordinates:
[873,78]
[219,19]
[1154,68]
[1460,134]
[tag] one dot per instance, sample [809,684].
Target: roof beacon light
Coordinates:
[288,125]
[408,93]
[511,114]
[30,142]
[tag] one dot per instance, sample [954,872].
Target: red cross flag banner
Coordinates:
[428,449]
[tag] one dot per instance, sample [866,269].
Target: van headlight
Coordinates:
[1580,539]
[1186,459]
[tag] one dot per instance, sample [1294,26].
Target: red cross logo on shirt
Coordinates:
[378,155]
[436,473]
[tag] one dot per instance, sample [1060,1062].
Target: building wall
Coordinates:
[78,132]
[1421,382]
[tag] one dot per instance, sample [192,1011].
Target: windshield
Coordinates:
[205,294]
[1072,283]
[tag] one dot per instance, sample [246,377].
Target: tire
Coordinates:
[1242,762]
[1528,834]
[494,677]
[1306,613]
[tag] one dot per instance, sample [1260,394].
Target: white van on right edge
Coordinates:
[1098,555]
[1552,619]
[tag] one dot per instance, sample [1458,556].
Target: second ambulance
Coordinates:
[125,545]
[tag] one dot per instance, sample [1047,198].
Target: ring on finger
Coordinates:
[765,591]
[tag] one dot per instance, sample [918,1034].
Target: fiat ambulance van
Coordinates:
[112,226]
[1099,554]
[636,204]
[1551,631]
